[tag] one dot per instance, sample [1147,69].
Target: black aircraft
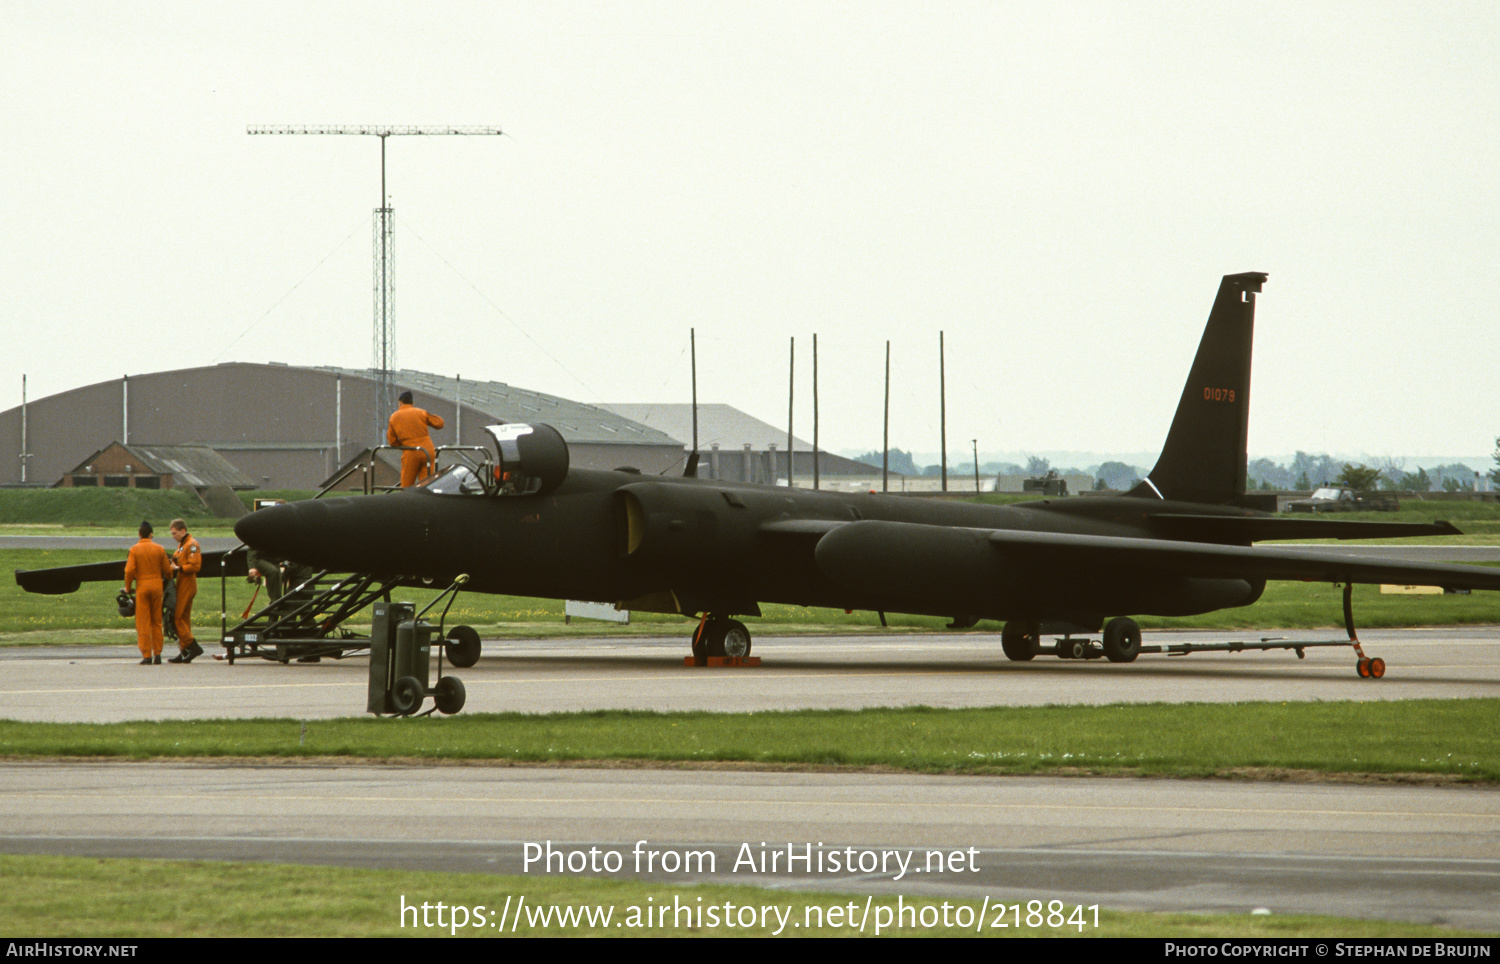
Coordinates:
[1177,544]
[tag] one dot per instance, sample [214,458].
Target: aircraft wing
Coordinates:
[857,552]
[1247,529]
[1240,562]
[65,579]
[55,582]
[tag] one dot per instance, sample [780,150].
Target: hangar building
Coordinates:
[737,447]
[289,427]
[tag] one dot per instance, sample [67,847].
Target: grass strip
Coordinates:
[1447,739]
[99,506]
[91,897]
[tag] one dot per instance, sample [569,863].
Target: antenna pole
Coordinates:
[815,411]
[791,385]
[885,444]
[943,409]
[385,333]
[693,363]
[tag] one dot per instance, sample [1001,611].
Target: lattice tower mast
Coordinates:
[385,332]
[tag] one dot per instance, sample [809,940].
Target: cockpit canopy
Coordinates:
[533,458]
[528,460]
[455,480]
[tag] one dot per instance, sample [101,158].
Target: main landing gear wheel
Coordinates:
[406,695]
[1020,640]
[1122,640]
[721,637]
[1370,668]
[449,694]
[736,639]
[462,646]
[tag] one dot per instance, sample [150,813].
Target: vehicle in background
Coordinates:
[1342,498]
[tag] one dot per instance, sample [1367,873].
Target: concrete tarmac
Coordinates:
[1420,854]
[1402,853]
[104,684]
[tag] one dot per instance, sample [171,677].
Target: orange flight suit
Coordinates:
[149,566]
[408,426]
[187,561]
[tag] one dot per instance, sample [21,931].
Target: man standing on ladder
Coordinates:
[408,429]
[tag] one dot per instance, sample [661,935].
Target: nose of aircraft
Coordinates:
[363,534]
[271,530]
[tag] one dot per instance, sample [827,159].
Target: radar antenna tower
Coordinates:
[385,335]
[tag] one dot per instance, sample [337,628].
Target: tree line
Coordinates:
[1306,471]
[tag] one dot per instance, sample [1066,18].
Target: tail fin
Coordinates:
[1203,459]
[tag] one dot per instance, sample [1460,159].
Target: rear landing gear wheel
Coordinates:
[1020,640]
[1122,640]
[1362,668]
[462,646]
[1377,668]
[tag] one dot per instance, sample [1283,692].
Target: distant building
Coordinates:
[154,467]
[737,447]
[289,427]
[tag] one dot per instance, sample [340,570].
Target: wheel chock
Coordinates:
[722,661]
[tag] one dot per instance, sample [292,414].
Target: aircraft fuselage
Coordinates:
[692,546]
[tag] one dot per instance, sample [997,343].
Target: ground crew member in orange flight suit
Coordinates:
[408,427]
[149,567]
[186,563]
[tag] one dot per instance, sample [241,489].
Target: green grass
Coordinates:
[110,510]
[1450,739]
[99,506]
[90,897]
[125,533]
[1473,517]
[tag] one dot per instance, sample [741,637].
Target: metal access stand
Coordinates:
[306,623]
[1365,666]
[401,657]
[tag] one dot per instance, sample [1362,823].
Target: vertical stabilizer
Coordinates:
[1204,456]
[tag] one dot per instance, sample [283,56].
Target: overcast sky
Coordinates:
[1058,187]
